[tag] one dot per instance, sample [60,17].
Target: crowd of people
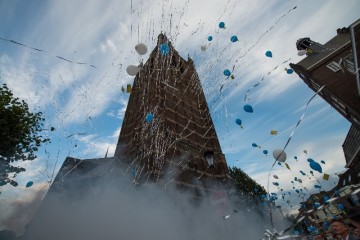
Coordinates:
[346,228]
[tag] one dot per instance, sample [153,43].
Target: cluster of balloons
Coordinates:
[141,49]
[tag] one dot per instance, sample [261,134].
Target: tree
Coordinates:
[245,184]
[20,134]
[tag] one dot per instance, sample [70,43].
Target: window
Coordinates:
[344,182]
[348,63]
[334,66]
[338,104]
[349,178]
[316,86]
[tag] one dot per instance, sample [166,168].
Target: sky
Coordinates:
[85,104]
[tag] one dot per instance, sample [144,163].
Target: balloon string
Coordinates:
[302,117]
[287,143]
[40,50]
[246,99]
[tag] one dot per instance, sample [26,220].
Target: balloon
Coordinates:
[29,184]
[279,155]
[295,157]
[265,152]
[312,173]
[276,183]
[149,117]
[248,108]
[316,166]
[275,176]
[203,48]
[238,122]
[210,38]
[141,48]
[164,49]
[227,72]
[316,204]
[299,180]
[289,71]
[301,52]
[268,54]
[297,191]
[234,38]
[279,163]
[340,206]
[132,70]
[254,145]
[305,151]
[310,160]
[317,186]
[322,161]
[222,25]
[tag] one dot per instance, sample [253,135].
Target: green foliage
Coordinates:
[245,184]
[20,136]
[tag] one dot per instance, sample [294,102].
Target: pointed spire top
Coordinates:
[162,38]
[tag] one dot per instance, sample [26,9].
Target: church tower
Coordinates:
[167,125]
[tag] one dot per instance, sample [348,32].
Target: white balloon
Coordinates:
[132,70]
[203,48]
[302,52]
[279,155]
[141,48]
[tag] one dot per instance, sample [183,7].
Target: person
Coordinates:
[340,228]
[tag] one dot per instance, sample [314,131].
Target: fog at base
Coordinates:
[108,209]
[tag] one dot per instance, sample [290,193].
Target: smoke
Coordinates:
[108,208]
[20,211]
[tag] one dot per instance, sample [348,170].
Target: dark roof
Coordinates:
[330,47]
[76,169]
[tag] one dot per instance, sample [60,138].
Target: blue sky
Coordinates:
[81,99]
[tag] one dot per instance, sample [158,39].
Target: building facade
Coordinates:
[167,125]
[332,70]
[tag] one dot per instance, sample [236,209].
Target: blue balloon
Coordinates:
[316,166]
[265,152]
[340,206]
[238,122]
[295,157]
[276,183]
[289,71]
[234,38]
[164,49]
[29,184]
[316,204]
[310,160]
[312,173]
[279,163]
[149,117]
[210,38]
[317,186]
[248,108]
[227,72]
[297,191]
[322,161]
[222,25]
[254,145]
[268,54]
